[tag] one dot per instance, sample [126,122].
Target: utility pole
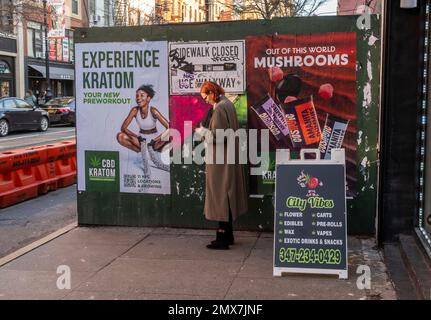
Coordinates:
[45,22]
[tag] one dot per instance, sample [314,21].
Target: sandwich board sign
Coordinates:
[310,232]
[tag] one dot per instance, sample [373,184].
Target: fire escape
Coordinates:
[121,9]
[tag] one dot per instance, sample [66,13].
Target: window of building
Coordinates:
[71,48]
[30,42]
[38,43]
[52,49]
[59,88]
[34,40]
[59,49]
[5,87]
[106,12]
[92,4]
[75,7]
[6,16]
[65,47]
[4,67]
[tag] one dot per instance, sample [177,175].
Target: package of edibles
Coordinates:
[272,116]
[332,135]
[301,119]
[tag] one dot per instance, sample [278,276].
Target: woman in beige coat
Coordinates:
[225,188]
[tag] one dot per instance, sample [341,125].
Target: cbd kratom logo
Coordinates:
[102,170]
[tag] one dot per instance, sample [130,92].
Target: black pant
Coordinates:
[226,226]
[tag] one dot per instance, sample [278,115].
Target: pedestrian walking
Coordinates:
[225,187]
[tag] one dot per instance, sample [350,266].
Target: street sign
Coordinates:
[310,233]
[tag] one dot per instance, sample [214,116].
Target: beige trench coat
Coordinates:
[225,183]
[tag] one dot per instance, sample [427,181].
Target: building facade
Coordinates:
[106,13]
[8,74]
[141,12]
[353,7]
[61,50]
[11,62]
[101,13]
[177,11]
[252,9]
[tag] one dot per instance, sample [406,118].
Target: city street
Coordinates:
[28,221]
[23,139]
[25,222]
[228,150]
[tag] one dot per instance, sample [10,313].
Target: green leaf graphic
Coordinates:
[95,162]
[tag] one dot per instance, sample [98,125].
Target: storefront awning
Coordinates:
[54,72]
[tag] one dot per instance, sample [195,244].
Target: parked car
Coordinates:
[17,114]
[61,110]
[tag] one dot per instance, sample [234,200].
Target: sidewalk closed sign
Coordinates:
[310,233]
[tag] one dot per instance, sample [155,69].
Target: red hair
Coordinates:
[213,87]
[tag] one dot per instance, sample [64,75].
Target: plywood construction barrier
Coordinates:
[310,82]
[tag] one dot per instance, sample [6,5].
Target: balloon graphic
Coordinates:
[326,91]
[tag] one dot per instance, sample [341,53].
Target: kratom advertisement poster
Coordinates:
[122,110]
[302,88]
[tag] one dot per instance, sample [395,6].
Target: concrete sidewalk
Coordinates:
[166,263]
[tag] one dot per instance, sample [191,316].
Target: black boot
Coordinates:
[228,230]
[229,238]
[229,234]
[220,243]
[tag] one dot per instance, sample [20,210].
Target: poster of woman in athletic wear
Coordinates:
[144,142]
[122,115]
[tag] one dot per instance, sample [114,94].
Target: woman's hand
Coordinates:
[165,135]
[202,131]
[198,130]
